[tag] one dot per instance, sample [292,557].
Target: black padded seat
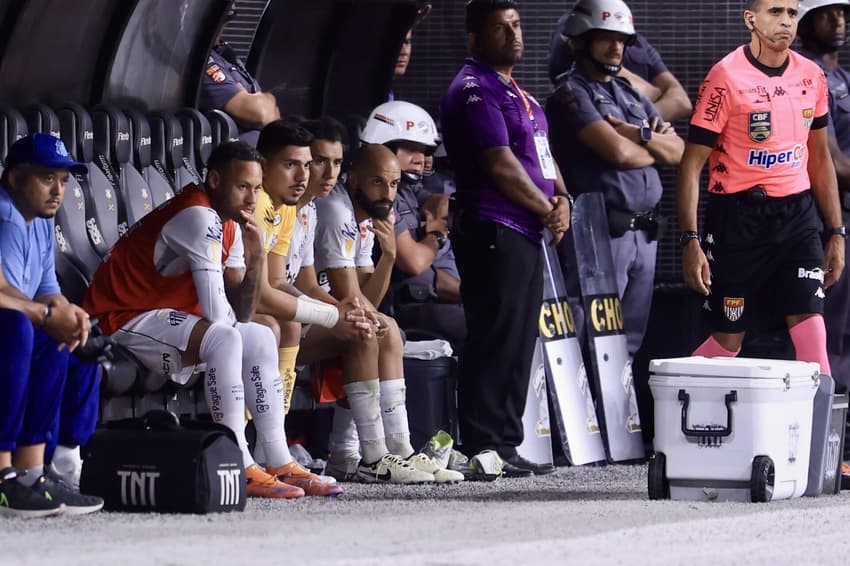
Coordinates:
[78,135]
[166,127]
[113,152]
[198,141]
[42,118]
[224,128]
[77,240]
[13,126]
[151,165]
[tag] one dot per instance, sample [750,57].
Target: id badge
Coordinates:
[544,156]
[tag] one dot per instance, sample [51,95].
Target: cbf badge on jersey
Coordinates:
[544,156]
[760,126]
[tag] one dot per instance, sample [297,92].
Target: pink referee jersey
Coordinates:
[762,122]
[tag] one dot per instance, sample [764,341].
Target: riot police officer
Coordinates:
[608,137]
[642,66]
[425,287]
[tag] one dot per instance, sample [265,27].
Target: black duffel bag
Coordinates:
[158,464]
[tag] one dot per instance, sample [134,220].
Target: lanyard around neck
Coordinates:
[525,101]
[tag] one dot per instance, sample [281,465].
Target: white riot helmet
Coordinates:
[606,15]
[397,121]
[609,15]
[807,6]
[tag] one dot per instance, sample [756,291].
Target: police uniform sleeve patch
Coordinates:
[216,73]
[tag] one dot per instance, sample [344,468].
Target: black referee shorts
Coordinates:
[766,259]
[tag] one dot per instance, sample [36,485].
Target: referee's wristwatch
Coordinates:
[836,231]
[688,236]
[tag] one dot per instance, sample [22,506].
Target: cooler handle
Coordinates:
[685,398]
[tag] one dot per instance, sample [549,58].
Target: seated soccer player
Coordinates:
[180,290]
[370,440]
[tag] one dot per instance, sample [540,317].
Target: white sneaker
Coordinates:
[439,448]
[426,464]
[392,469]
[486,466]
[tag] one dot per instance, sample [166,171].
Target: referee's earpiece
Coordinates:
[752,23]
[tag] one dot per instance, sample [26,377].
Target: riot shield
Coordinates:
[616,402]
[572,402]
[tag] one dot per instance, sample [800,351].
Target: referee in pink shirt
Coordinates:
[760,121]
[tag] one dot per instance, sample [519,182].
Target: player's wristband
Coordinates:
[310,311]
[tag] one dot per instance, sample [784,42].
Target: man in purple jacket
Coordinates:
[509,189]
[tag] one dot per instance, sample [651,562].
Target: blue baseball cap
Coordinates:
[43,150]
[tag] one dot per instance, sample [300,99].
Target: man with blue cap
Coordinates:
[38,330]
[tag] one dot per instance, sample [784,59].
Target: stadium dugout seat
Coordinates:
[13,127]
[78,134]
[161,185]
[77,257]
[224,128]
[113,152]
[42,118]
[166,127]
[197,141]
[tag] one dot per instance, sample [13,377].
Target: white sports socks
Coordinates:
[365,400]
[343,440]
[221,351]
[264,391]
[31,475]
[394,414]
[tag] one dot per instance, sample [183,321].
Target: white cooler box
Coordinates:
[731,429]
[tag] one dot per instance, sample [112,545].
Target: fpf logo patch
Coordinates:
[733,308]
[760,126]
[808,117]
